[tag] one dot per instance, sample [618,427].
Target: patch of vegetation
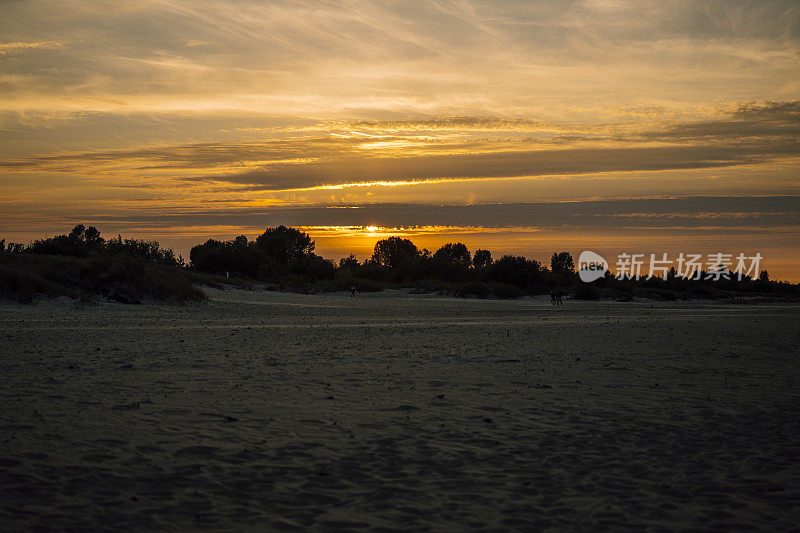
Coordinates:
[85,266]
[506,291]
[84,263]
[586,291]
[120,278]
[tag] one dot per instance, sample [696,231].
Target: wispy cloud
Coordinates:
[6,48]
[761,213]
[752,134]
[162,106]
[361,59]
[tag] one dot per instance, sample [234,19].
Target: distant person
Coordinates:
[555,298]
[353,290]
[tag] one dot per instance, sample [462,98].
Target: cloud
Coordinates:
[6,48]
[752,120]
[498,164]
[450,149]
[750,214]
[162,106]
[386,60]
[448,123]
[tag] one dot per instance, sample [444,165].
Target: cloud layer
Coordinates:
[451,149]
[180,117]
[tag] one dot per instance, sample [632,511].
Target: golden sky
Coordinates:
[518,126]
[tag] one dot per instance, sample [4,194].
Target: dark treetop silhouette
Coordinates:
[84,263]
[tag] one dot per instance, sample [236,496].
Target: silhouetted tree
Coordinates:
[313,267]
[276,254]
[237,256]
[482,259]
[453,253]
[74,244]
[451,262]
[518,271]
[394,252]
[562,264]
[763,276]
[349,263]
[284,244]
[77,233]
[149,251]
[92,238]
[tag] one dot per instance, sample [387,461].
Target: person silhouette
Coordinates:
[555,298]
[353,290]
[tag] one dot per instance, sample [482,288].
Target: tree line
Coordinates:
[285,256]
[84,242]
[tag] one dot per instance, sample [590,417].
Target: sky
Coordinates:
[525,127]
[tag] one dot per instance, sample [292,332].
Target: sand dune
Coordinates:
[399,412]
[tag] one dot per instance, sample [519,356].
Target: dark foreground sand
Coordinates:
[388,412]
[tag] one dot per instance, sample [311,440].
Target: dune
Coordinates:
[397,412]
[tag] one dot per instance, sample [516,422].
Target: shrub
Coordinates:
[476,289]
[505,291]
[369,285]
[659,294]
[125,278]
[585,291]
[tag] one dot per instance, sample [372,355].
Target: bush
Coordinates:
[476,289]
[124,278]
[659,294]
[517,271]
[585,291]
[368,285]
[505,291]
[432,284]
[703,292]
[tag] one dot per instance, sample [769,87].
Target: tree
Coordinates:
[93,239]
[394,252]
[453,254]
[284,244]
[482,259]
[348,263]
[237,256]
[562,264]
[519,271]
[77,233]
[450,262]
[763,276]
[274,255]
[672,274]
[314,267]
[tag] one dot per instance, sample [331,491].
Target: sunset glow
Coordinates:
[518,127]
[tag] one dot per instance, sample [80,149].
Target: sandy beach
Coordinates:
[398,412]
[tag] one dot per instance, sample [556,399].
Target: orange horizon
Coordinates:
[337,242]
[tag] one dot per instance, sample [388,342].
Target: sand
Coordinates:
[272,411]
